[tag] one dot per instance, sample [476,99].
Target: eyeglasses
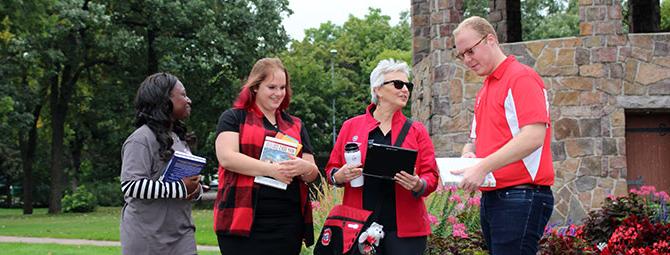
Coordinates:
[398,84]
[469,51]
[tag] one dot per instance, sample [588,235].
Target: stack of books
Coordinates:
[277,149]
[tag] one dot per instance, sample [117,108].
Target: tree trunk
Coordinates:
[152,58]
[645,16]
[76,148]
[61,92]
[58,109]
[28,156]
[8,191]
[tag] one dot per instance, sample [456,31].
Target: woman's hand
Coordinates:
[348,173]
[296,167]
[279,174]
[409,182]
[192,184]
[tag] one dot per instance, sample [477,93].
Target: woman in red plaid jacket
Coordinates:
[253,218]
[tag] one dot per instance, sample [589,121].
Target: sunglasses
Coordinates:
[469,52]
[398,84]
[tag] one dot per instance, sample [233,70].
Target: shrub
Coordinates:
[600,224]
[564,241]
[108,194]
[80,200]
[637,235]
[632,224]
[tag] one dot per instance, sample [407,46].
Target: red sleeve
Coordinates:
[530,100]
[426,166]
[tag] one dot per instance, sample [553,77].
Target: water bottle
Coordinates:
[353,157]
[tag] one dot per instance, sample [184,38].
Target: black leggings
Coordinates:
[391,244]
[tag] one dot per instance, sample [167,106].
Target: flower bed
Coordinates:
[637,223]
[632,224]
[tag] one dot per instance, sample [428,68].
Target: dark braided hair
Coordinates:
[153,107]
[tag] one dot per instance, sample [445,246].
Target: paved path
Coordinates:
[18,239]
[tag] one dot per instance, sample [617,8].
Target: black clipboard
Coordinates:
[384,161]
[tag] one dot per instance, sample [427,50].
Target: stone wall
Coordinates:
[592,80]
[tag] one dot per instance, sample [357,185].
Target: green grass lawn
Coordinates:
[103,224]
[58,249]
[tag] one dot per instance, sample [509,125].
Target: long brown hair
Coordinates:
[260,72]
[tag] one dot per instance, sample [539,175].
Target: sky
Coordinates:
[311,13]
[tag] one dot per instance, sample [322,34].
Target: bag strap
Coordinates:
[403,132]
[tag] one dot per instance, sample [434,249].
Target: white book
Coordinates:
[447,164]
[276,150]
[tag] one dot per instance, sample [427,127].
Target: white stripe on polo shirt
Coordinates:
[532,161]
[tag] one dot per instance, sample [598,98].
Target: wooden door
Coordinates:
[648,149]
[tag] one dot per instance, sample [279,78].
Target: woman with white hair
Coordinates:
[397,205]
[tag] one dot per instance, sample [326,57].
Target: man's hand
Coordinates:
[468,155]
[473,177]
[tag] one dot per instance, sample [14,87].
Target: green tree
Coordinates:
[81,62]
[360,43]
[543,19]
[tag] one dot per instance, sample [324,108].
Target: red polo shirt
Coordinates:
[513,96]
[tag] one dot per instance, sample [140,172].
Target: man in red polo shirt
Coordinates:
[511,133]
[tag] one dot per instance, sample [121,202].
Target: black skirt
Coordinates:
[281,236]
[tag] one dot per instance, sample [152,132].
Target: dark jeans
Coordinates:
[513,220]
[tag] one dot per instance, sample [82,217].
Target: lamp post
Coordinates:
[333,53]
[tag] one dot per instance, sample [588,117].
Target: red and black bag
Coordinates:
[341,230]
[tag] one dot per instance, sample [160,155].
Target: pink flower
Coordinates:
[455,198]
[440,188]
[459,230]
[452,220]
[452,188]
[473,201]
[460,206]
[432,219]
[316,204]
[663,196]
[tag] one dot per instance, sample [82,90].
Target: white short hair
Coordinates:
[385,66]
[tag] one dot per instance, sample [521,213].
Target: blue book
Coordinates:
[182,165]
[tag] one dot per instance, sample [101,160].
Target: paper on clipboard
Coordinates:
[447,164]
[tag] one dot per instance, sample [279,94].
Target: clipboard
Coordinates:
[384,161]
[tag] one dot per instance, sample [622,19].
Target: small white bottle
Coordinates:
[353,157]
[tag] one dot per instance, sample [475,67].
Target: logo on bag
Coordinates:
[325,240]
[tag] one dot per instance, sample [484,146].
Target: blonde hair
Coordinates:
[478,24]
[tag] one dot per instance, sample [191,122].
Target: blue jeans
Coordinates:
[513,220]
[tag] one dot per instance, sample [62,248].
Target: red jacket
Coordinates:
[411,214]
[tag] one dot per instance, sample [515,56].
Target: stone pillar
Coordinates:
[505,16]
[434,65]
[597,17]
[420,12]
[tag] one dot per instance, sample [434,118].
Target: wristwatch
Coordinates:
[332,177]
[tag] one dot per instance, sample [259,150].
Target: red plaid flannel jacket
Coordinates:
[236,199]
